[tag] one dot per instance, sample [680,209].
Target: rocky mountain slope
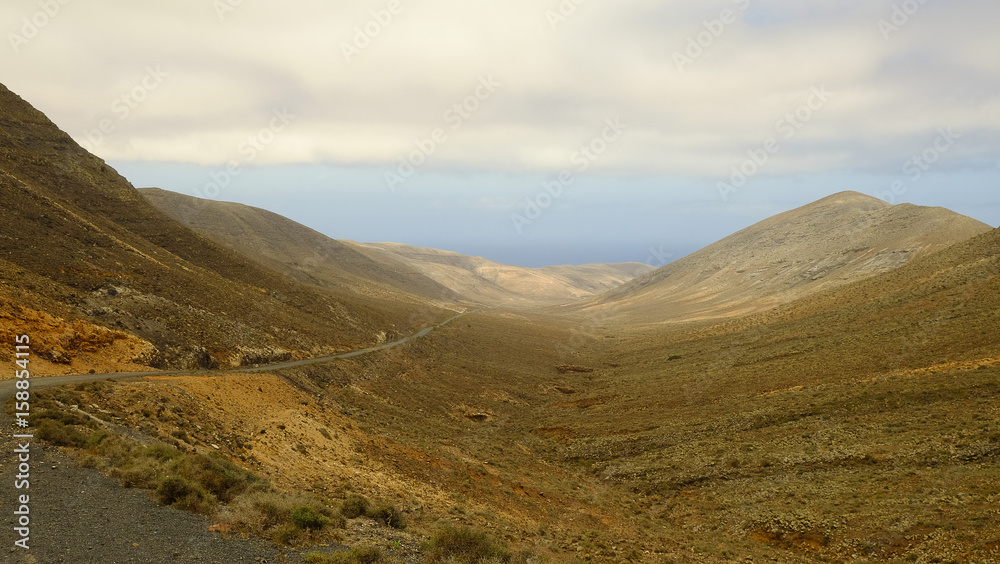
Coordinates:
[81,244]
[431,273]
[842,238]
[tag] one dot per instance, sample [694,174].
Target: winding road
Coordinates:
[7,386]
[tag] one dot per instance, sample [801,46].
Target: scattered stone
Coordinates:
[573,368]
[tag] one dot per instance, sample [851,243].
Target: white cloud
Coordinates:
[558,85]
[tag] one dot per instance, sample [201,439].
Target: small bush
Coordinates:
[355,506]
[63,417]
[60,434]
[96,439]
[465,546]
[161,452]
[218,476]
[174,490]
[264,513]
[305,517]
[389,515]
[140,476]
[286,534]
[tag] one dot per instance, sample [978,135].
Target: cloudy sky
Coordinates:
[527,131]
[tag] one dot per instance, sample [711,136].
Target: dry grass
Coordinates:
[837,426]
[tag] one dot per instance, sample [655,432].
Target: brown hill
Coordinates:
[493,283]
[290,247]
[435,274]
[857,420]
[79,242]
[842,238]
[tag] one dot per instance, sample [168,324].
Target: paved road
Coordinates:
[7,386]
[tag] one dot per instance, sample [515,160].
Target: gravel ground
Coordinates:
[80,516]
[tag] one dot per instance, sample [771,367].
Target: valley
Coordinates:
[819,387]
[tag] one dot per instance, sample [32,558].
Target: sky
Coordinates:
[530,132]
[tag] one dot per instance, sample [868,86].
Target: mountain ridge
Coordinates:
[431,273]
[85,246]
[838,239]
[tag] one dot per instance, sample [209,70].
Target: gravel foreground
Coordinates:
[80,516]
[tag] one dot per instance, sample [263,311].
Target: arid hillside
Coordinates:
[430,273]
[305,254]
[498,284]
[82,245]
[839,239]
[859,422]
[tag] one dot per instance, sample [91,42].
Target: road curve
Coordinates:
[7,386]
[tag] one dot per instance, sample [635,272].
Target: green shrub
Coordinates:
[465,546]
[138,476]
[63,417]
[355,506]
[97,438]
[161,452]
[60,434]
[218,476]
[305,517]
[173,489]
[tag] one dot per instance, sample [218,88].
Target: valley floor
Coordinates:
[582,439]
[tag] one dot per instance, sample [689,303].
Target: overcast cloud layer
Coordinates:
[684,92]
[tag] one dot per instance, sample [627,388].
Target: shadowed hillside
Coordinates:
[291,247]
[81,243]
[430,273]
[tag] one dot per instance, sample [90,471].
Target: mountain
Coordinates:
[808,431]
[499,284]
[80,244]
[290,247]
[839,239]
[431,273]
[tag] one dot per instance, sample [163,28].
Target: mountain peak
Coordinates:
[852,199]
